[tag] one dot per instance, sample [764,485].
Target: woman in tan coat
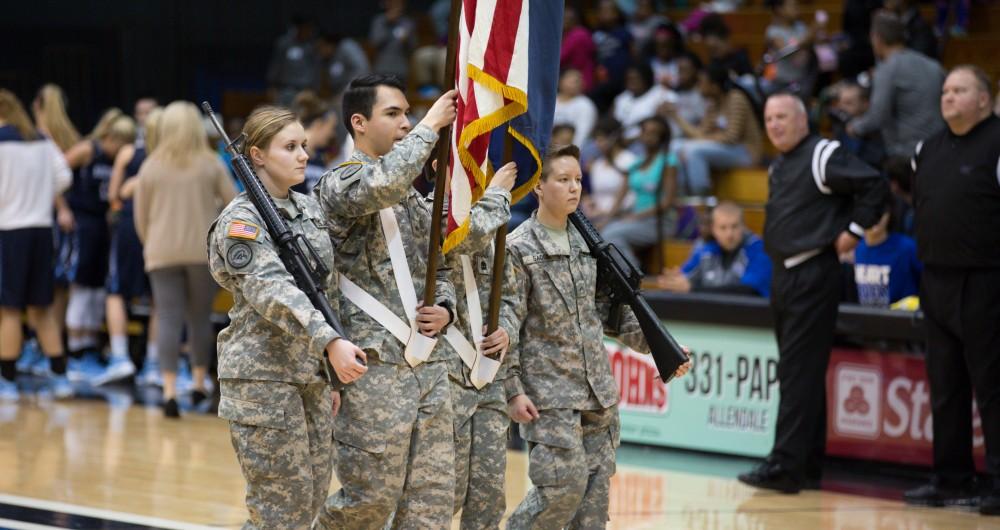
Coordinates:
[181,189]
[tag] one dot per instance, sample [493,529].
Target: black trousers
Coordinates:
[962,317]
[804,303]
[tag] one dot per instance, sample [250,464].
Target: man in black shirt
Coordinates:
[956,197]
[820,199]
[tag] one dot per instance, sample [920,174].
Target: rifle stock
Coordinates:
[296,253]
[623,280]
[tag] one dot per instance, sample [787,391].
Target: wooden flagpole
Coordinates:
[499,252]
[443,146]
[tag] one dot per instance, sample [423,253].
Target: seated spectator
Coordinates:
[919,34]
[715,34]
[640,100]
[688,100]
[850,101]
[653,180]
[293,61]
[429,61]
[341,59]
[614,53]
[900,173]
[563,134]
[574,108]
[785,33]
[607,173]
[728,137]
[662,52]
[906,91]
[577,51]
[732,260]
[393,35]
[886,268]
[644,22]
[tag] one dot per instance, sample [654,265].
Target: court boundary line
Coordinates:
[100,513]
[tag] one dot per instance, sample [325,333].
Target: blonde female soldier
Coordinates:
[270,356]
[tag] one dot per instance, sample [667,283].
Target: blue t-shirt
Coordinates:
[887,272]
[644,182]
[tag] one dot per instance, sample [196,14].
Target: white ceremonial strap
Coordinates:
[468,351]
[375,309]
[484,370]
[418,347]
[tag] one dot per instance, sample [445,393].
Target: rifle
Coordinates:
[298,255]
[621,276]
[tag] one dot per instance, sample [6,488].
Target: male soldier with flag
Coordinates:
[393,435]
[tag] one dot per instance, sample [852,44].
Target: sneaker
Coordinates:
[935,495]
[170,409]
[85,368]
[8,391]
[150,374]
[772,477]
[61,387]
[30,356]
[184,381]
[118,368]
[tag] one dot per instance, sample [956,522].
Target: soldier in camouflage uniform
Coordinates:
[561,389]
[393,436]
[480,415]
[270,356]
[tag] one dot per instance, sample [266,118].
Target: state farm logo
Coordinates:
[859,404]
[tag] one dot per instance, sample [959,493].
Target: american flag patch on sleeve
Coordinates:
[243,230]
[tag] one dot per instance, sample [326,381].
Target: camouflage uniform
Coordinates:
[393,436]
[270,363]
[562,365]
[480,415]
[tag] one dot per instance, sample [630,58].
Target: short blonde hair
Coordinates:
[180,134]
[263,124]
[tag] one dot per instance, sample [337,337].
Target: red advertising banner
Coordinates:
[878,408]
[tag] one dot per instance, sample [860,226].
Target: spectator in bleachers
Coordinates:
[850,101]
[886,268]
[393,35]
[906,88]
[900,173]
[960,27]
[562,134]
[577,51]
[181,188]
[644,23]
[341,59]
[786,33]
[607,173]
[663,52]
[732,260]
[729,136]
[653,182]
[640,100]
[715,33]
[32,172]
[919,34]
[856,54]
[429,61]
[687,97]
[573,107]
[319,122]
[613,43]
[293,65]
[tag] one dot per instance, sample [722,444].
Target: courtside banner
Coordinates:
[727,403]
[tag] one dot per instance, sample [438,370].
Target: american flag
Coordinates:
[501,89]
[243,230]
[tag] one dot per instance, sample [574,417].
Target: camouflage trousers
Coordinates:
[282,436]
[570,463]
[481,424]
[394,450]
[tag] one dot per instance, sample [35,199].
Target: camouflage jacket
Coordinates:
[275,333]
[351,195]
[488,213]
[560,360]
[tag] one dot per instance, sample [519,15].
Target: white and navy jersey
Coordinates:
[131,170]
[89,193]
[956,197]
[816,191]
[32,172]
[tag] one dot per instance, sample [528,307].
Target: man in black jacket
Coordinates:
[957,203]
[820,200]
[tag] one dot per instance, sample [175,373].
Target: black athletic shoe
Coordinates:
[170,409]
[197,397]
[935,495]
[772,477]
[989,504]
